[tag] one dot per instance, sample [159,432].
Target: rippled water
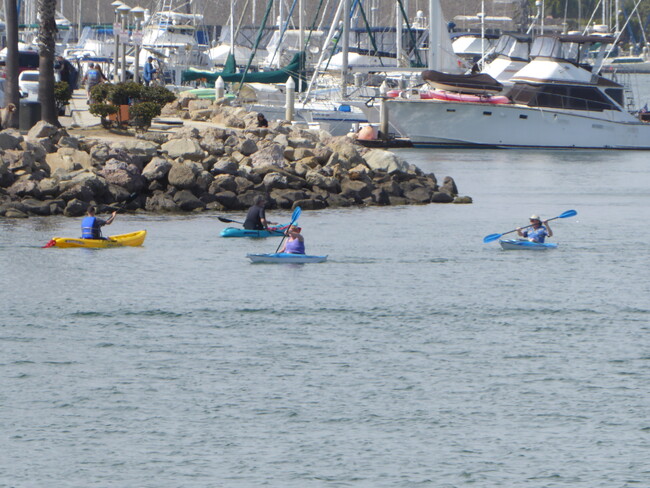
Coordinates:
[416,356]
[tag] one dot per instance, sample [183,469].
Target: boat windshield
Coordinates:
[512,47]
[549,47]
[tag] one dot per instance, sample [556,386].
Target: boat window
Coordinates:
[505,45]
[570,51]
[547,47]
[562,96]
[615,94]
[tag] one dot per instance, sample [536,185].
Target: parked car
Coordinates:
[27,60]
[28,84]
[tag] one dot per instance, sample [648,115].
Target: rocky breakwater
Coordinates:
[49,172]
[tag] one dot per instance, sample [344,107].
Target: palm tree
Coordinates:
[46,40]
[12,92]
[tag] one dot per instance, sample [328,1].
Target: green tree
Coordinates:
[46,41]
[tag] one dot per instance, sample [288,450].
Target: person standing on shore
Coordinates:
[149,71]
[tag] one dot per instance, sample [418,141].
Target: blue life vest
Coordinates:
[88,230]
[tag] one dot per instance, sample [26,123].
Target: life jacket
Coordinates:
[295,247]
[88,230]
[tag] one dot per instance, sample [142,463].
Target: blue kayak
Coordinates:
[283,257]
[522,244]
[239,232]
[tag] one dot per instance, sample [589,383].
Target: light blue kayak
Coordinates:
[283,257]
[240,232]
[522,244]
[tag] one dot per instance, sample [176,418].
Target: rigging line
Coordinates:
[269,5]
[283,31]
[372,37]
[418,60]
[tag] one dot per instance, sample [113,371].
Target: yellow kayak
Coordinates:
[132,239]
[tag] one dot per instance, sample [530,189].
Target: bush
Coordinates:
[141,114]
[62,93]
[124,93]
[99,93]
[103,110]
[157,94]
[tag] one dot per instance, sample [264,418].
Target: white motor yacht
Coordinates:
[556,101]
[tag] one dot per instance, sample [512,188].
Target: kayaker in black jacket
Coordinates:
[256,216]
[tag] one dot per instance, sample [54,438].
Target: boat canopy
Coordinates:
[294,70]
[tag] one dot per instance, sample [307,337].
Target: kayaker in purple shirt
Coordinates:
[296,243]
[538,232]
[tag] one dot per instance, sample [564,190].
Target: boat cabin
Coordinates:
[559,77]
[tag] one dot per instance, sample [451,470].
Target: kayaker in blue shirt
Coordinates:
[256,216]
[91,226]
[296,243]
[538,232]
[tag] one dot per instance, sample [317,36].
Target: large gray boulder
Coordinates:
[10,139]
[186,201]
[228,199]
[356,190]
[140,151]
[24,187]
[344,152]
[273,154]
[184,148]
[183,175]
[328,183]
[7,177]
[225,165]
[123,174]
[274,180]
[75,208]
[41,130]
[157,169]
[67,159]
[449,186]
[222,183]
[247,147]
[379,159]
[161,202]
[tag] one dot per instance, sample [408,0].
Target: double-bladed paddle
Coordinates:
[494,237]
[128,200]
[230,221]
[294,218]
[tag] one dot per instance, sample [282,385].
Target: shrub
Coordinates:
[99,93]
[62,93]
[103,110]
[157,94]
[141,114]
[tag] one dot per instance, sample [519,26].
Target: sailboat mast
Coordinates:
[344,48]
[232,27]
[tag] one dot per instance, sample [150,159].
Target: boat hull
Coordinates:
[523,245]
[461,124]
[279,258]
[132,239]
[237,232]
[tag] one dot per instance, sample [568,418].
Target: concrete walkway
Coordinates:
[79,117]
